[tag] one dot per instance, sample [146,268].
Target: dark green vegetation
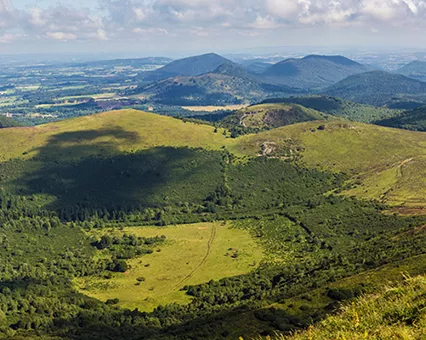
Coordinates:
[313,71]
[339,107]
[378,88]
[261,117]
[409,120]
[6,122]
[73,176]
[415,70]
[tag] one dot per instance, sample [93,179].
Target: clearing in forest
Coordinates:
[192,254]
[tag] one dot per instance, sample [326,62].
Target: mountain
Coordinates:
[409,120]
[6,122]
[268,116]
[192,66]
[416,70]
[312,71]
[376,88]
[229,83]
[339,107]
[131,225]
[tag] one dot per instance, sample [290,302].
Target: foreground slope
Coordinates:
[74,193]
[396,312]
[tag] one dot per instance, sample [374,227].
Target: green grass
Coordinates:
[193,254]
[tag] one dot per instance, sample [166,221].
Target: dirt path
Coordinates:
[203,261]
[399,169]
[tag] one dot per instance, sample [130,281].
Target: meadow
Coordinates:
[193,254]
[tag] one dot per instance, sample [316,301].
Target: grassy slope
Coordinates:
[396,312]
[382,161]
[125,130]
[194,254]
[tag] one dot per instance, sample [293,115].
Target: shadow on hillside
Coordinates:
[86,170]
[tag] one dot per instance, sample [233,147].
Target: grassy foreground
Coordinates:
[193,254]
[397,312]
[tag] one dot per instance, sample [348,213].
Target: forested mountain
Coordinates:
[192,66]
[313,71]
[339,107]
[410,120]
[416,70]
[377,88]
[131,225]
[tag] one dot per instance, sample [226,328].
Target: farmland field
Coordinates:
[193,254]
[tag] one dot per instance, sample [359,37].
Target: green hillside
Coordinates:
[396,312]
[377,88]
[107,133]
[381,162]
[268,116]
[339,107]
[130,225]
[313,71]
[409,120]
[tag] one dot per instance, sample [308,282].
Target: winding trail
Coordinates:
[203,261]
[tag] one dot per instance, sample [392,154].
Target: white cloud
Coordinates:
[286,9]
[63,36]
[122,20]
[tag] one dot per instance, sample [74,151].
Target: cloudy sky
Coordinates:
[172,26]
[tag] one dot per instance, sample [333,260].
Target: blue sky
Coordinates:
[150,27]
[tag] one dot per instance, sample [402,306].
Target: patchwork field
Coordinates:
[193,254]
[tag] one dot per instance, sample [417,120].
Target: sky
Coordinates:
[179,27]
